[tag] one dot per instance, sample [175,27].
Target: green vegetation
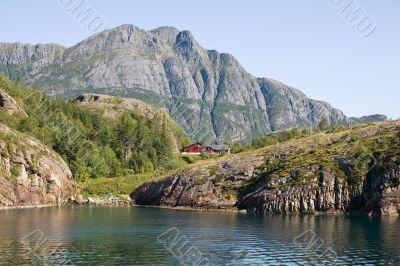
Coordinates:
[192,159]
[271,139]
[94,146]
[15,172]
[201,181]
[117,187]
[351,153]
[324,124]
[289,135]
[213,169]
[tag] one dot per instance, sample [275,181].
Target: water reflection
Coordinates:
[83,235]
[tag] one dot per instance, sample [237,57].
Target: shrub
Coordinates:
[15,171]
[324,124]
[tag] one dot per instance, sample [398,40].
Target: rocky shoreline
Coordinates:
[88,201]
[27,207]
[100,201]
[357,172]
[128,203]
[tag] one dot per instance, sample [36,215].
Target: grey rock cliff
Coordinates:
[211,186]
[31,174]
[329,193]
[208,93]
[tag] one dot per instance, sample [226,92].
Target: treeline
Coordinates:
[93,145]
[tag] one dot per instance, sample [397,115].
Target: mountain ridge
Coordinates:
[208,93]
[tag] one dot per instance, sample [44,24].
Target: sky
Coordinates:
[308,44]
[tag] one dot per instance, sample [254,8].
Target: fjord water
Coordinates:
[85,235]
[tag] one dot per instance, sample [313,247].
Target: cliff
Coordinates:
[31,174]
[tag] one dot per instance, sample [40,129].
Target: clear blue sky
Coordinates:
[306,44]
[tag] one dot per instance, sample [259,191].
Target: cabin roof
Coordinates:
[221,147]
[191,145]
[217,147]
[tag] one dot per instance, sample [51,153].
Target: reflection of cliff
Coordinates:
[29,234]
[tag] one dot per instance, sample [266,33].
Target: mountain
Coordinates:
[355,169]
[208,93]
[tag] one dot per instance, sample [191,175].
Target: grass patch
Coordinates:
[201,181]
[118,186]
[213,169]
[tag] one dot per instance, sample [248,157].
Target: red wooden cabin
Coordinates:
[197,149]
[194,149]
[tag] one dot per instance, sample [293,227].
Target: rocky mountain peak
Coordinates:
[166,32]
[187,46]
[208,93]
[128,28]
[185,39]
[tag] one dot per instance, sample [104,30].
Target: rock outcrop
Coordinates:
[31,174]
[378,194]
[209,186]
[208,93]
[9,105]
[352,170]
[114,106]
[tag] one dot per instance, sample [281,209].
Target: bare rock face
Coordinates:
[40,54]
[328,193]
[113,106]
[31,174]
[208,93]
[210,186]
[8,104]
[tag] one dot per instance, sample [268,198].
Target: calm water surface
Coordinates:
[84,235]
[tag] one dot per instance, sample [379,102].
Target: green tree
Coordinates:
[324,124]
[91,144]
[126,132]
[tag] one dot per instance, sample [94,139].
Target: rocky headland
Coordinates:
[354,170]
